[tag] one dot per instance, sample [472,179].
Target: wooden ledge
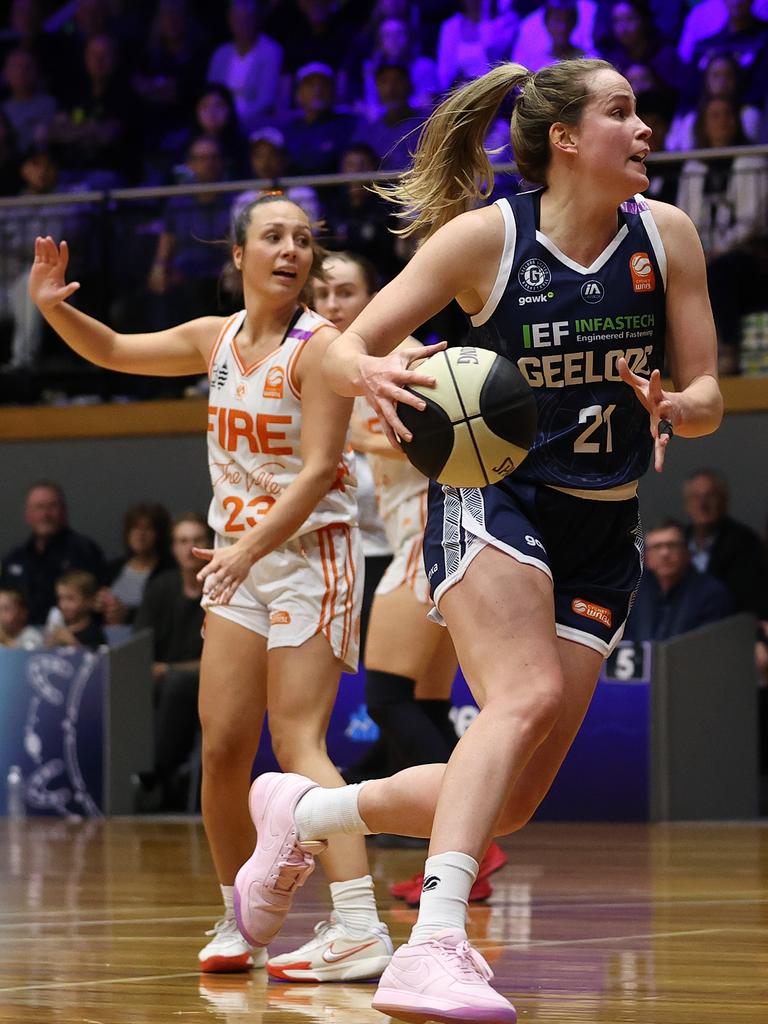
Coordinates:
[188,415]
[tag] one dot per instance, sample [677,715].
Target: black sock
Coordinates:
[409,732]
[438,712]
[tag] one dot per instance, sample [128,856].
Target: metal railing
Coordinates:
[113,238]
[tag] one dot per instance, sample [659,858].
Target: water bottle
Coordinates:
[15,802]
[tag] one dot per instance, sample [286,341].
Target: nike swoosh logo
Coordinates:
[333,958]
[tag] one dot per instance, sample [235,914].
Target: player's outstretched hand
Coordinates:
[47,284]
[663,407]
[225,571]
[385,380]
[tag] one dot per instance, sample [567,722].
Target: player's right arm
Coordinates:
[170,353]
[459,261]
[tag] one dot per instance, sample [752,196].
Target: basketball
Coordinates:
[479,422]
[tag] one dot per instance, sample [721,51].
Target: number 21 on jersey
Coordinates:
[595,417]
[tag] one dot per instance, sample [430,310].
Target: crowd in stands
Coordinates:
[100,94]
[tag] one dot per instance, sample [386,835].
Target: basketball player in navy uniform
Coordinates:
[590,290]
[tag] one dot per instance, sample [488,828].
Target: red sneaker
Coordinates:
[493,861]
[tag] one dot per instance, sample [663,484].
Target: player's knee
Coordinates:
[530,711]
[293,746]
[223,753]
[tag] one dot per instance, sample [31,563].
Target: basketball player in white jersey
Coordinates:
[410,661]
[281,587]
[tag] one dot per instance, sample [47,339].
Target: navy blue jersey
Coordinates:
[566,326]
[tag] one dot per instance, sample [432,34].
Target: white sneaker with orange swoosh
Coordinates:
[333,954]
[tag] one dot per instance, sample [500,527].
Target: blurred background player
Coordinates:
[410,663]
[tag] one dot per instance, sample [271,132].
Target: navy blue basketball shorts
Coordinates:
[591,550]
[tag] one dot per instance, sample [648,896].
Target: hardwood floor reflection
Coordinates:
[100,922]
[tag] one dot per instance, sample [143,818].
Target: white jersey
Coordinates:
[254,434]
[369,518]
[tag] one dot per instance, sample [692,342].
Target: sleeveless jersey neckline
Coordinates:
[236,351]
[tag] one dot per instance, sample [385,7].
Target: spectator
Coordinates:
[738,284]
[319,133]
[358,219]
[215,117]
[531,48]
[642,78]
[470,42]
[183,281]
[560,20]
[146,536]
[56,55]
[394,134]
[744,35]
[309,27]
[171,609]
[10,182]
[634,39]
[171,71]
[52,549]
[364,46]
[267,160]
[28,108]
[727,197]
[249,64]
[722,79]
[673,597]
[656,107]
[15,630]
[395,44]
[18,229]
[722,547]
[76,624]
[96,138]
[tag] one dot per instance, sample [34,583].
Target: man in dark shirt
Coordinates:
[171,609]
[673,597]
[723,547]
[51,550]
[319,132]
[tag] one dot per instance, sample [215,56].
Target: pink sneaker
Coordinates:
[445,980]
[266,883]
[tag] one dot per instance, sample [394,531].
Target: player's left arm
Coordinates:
[691,336]
[324,423]
[695,407]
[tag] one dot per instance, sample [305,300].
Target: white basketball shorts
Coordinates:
[309,585]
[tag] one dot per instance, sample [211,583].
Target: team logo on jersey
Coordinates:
[241,390]
[643,276]
[534,275]
[219,374]
[592,611]
[273,385]
[592,291]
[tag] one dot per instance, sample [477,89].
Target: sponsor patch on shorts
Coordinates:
[592,611]
[280,619]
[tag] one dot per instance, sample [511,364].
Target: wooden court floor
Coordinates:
[100,923]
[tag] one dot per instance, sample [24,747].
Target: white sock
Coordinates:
[322,812]
[448,877]
[228,895]
[355,904]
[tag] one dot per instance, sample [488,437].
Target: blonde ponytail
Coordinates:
[451,169]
